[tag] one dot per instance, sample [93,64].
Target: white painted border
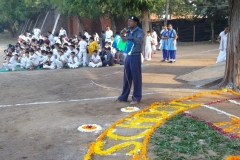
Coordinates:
[218,110]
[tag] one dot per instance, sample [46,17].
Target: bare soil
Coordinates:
[48,131]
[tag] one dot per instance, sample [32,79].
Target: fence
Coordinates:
[193,31]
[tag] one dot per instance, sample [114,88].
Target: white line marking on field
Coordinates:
[234,102]
[218,110]
[67,101]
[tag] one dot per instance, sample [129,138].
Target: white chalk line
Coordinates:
[219,111]
[66,101]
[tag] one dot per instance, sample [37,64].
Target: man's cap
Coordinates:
[134,18]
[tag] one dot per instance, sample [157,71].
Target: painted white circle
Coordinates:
[89,128]
[130,109]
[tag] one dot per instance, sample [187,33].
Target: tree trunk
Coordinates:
[232,75]
[145,25]
[212,29]
[113,24]
[80,25]
[167,10]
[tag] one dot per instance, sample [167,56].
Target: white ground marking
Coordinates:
[218,110]
[66,101]
[234,102]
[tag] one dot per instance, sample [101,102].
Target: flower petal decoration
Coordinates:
[130,109]
[89,128]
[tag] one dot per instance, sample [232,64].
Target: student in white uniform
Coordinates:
[51,38]
[36,32]
[25,62]
[83,50]
[222,38]
[34,59]
[73,61]
[108,34]
[154,39]
[11,62]
[50,62]
[43,58]
[62,61]
[148,47]
[95,60]
[62,32]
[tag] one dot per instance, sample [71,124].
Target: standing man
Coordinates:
[172,43]
[109,34]
[36,32]
[132,67]
[222,38]
[62,32]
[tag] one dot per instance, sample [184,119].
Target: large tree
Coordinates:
[232,71]
[12,12]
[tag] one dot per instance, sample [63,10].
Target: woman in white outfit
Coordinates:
[155,42]
[222,38]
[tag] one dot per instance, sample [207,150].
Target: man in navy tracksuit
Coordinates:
[132,66]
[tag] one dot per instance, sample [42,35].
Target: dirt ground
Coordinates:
[40,111]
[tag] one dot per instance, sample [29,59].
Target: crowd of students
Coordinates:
[35,51]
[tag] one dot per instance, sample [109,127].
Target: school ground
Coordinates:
[40,111]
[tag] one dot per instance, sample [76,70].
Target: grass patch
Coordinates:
[183,137]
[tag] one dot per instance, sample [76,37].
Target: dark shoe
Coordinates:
[170,62]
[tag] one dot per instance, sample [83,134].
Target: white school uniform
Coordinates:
[10,64]
[52,65]
[154,38]
[51,39]
[26,63]
[222,47]
[95,59]
[160,43]
[62,32]
[55,53]
[34,60]
[148,48]
[36,32]
[73,62]
[109,34]
[61,61]
[82,56]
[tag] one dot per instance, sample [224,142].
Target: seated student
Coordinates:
[50,62]
[34,59]
[109,60]
[73,61]
[119,58]
[43,58]
[95,60]
[25,62]
[11,62]
[102,54]
[62,61]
